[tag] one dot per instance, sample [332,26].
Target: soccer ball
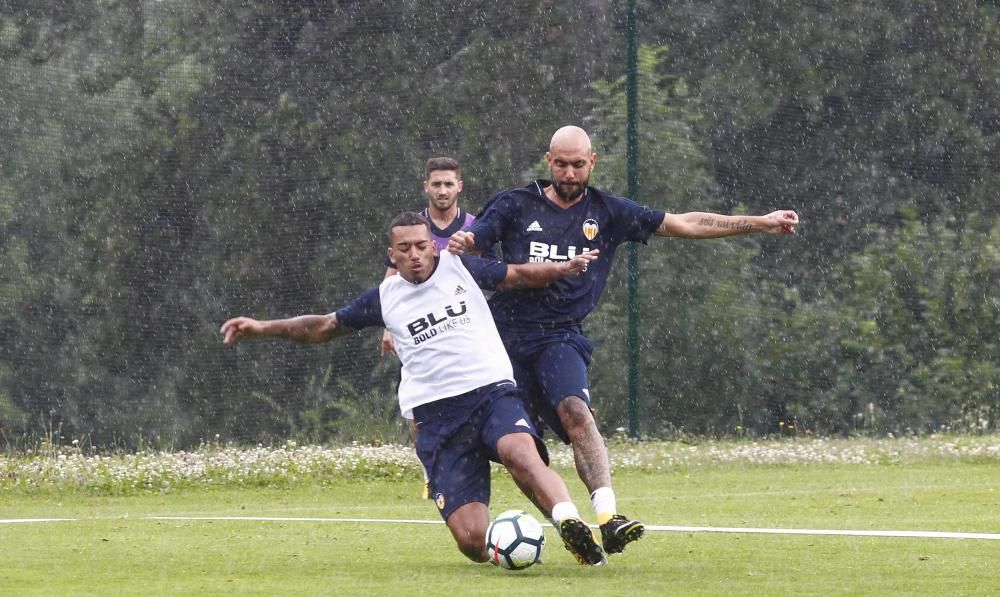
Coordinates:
[515,540]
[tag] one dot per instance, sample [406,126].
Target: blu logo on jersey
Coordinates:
[538,251]
[432,319]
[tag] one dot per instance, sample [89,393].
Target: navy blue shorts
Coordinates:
[549,365]
[457,440]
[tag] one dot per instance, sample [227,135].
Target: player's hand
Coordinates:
[387,345]
[781,222]
[578,264]
[461,241]
[238,327]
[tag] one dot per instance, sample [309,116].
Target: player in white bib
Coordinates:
[457,380]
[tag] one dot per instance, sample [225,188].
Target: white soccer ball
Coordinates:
[515,540]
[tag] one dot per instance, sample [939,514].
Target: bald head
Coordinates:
[570,138]
[570,160]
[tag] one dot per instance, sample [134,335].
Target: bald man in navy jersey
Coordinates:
[554,220]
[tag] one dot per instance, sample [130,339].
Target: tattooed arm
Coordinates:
[699,224]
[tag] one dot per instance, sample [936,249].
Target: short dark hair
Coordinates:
[442,163]
[408,218]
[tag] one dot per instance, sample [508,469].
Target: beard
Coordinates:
[569,191]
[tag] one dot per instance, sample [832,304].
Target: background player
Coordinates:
[442,185]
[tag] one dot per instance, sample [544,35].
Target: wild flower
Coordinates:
[291,463]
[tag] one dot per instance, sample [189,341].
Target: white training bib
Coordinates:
[444,335]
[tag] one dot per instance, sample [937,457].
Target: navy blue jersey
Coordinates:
[531,228]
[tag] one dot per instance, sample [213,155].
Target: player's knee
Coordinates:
[468,526]
[518,452]
[575,415]
[473,547]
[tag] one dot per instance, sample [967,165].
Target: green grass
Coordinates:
[116,548]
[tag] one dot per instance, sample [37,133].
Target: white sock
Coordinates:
[605,507]
[564,510]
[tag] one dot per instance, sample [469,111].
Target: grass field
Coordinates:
[138,541]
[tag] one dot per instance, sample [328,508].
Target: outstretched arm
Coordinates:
[698,224]
[304,328]
[536,275]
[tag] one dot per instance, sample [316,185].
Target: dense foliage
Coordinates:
[170,163]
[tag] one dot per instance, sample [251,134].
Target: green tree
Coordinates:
[692,293]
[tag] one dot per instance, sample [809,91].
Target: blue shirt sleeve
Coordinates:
[633,222]
[364,311]
[490,223]
[493,253]
[488,273]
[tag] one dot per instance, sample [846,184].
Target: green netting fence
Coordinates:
[167,164]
